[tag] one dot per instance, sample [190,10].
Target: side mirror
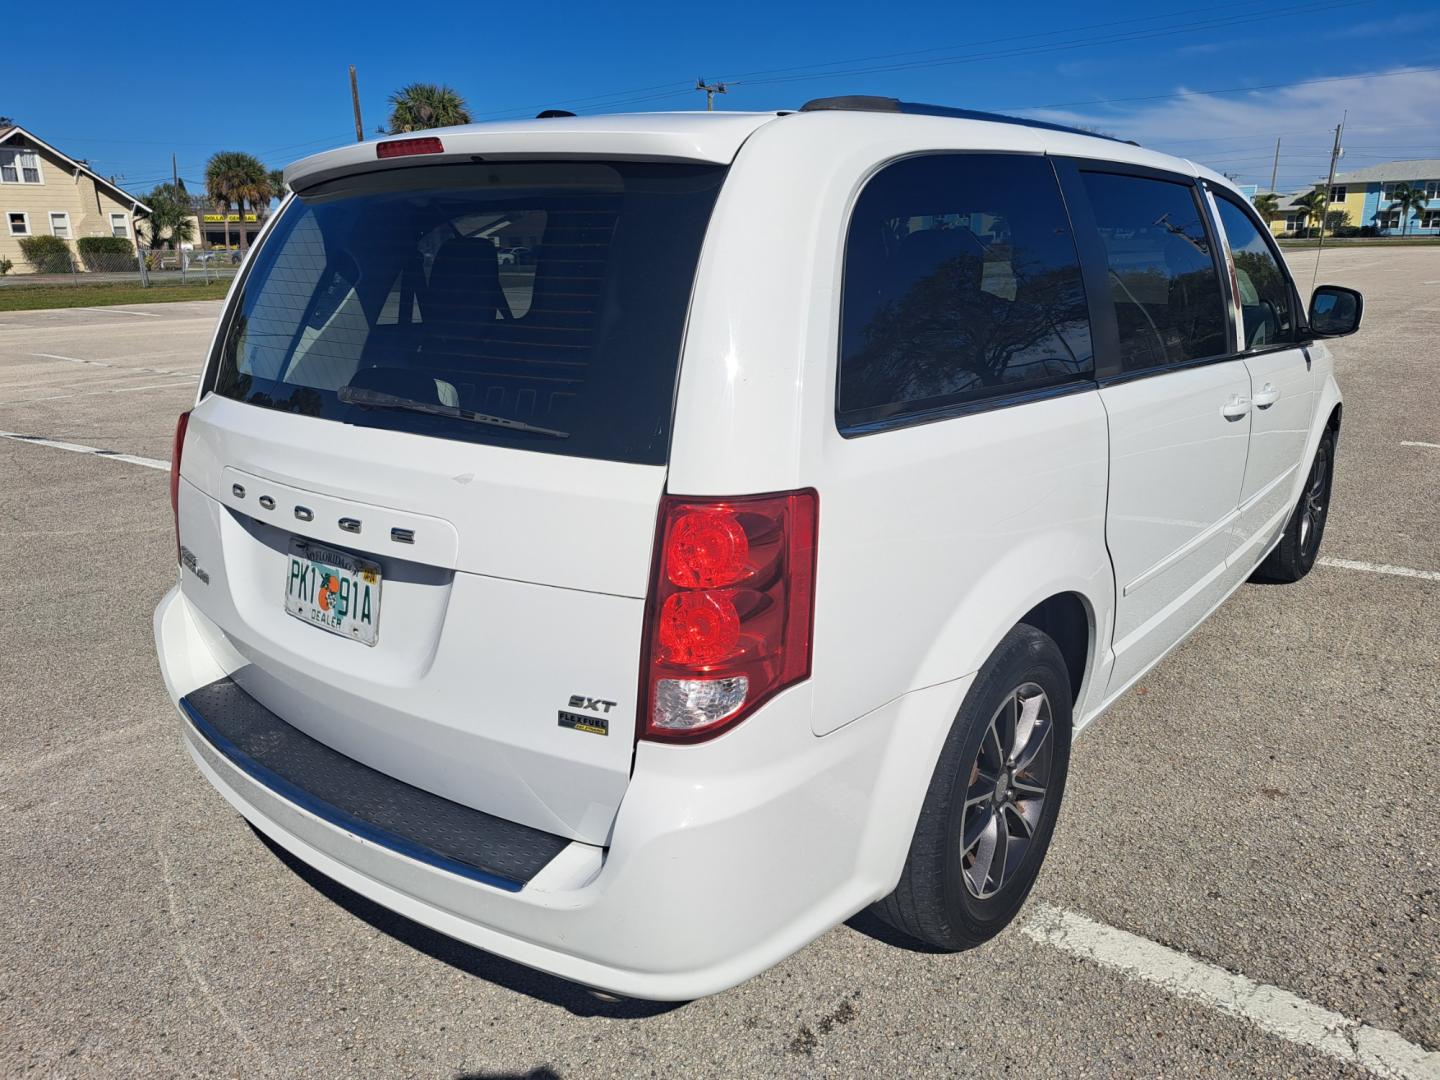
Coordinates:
[1335,311]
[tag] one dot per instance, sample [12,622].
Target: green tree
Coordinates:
[1407,199]
[426,105]
[224,176]
[1267,205]
[235,178]
[170,216]
[1314,206]
[257,191]
[277,182]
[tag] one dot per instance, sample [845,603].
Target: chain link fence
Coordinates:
[51,260]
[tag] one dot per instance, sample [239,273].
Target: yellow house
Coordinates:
[46,193]
[1288,218]
[1291,219]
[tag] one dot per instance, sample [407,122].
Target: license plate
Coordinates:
[333,590]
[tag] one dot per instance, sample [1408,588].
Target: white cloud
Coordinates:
[1399,27]
[1391,117]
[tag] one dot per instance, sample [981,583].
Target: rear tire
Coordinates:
[1299,545]
[991,806]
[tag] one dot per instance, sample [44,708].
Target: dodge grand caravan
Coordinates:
[748,553]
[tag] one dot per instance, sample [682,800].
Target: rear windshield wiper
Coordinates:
[378,399]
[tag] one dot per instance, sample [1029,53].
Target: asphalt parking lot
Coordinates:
[1260,817]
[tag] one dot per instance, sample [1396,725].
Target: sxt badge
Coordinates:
[595,725]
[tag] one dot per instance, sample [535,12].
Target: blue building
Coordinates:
[1368,193]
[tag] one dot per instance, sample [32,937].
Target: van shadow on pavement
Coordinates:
[570,996]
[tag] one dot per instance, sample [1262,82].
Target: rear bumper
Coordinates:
[724,857]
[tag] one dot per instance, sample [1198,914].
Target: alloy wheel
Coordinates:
[1313,503]
[1005,799]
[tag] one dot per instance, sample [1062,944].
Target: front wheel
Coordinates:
[1299,545]
[992,802]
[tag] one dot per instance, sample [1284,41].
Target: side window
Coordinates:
[1163,277]
[1265,295]
[961,284]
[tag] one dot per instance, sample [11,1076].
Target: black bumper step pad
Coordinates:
[360,799]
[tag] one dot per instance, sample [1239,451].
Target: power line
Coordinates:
[979,57]
[663,91]
[675,89]
[1135,35]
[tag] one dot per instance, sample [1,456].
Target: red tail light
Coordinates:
[730,612]
[175,451]
[409,147]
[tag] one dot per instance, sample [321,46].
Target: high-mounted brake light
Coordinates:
[428,144]
[181,426]
[730,613]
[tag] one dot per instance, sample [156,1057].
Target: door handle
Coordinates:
[1267,396]
[1236,408]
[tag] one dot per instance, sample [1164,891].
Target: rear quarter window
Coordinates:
[962,287]
[533,305]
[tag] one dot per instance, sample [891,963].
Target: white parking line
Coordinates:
[189,381]
[77,448]
[112,364]
[1426,445]
[1267,1007]
[72,359]
[120,311]
[1379,568]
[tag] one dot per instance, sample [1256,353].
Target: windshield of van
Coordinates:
[536,305]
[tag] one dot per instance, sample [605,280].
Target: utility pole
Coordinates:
[1335,153]
[1275,169]
[711,89]
[355,101]
[174,240]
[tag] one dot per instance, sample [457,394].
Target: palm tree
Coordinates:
[235,177]
[1267,205]
[1314,205]
[256,191]
[224,177]
[277,182]
[426,105]
[1406,199]
[170,215]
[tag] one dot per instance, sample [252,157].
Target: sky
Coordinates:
[273,80]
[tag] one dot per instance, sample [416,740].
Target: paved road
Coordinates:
[1266,803]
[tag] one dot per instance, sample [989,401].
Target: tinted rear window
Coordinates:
[551,294]
[962,284]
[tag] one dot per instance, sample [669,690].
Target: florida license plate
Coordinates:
[333,590]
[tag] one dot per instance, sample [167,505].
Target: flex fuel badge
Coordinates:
[596,725]
[594,721]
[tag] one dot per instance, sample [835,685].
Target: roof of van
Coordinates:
[689,136]
[686,136]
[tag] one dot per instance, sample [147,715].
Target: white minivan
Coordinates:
[750,550]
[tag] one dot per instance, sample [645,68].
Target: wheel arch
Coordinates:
[1072,600]
[1327,417]
[1069,620]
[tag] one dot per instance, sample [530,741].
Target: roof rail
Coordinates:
[864,103]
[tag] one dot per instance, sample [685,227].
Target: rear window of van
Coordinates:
[536,305]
